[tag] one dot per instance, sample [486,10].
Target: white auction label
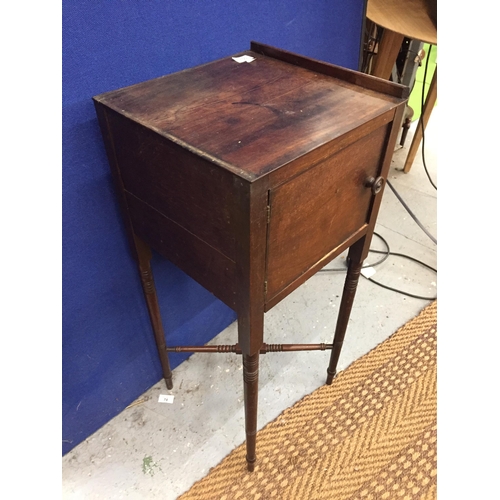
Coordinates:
[242,59]
[166,398]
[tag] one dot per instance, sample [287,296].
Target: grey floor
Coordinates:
[158,450]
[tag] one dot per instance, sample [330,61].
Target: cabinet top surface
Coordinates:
[250,117]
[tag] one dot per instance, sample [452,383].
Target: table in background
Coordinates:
[415,19]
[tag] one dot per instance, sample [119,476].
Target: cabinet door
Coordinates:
[315,212]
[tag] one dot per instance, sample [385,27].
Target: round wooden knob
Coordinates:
[375,184]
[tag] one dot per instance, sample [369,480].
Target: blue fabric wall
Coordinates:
[109,355]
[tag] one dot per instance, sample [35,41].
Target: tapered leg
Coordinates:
[350,286]
[251,221]
[148,286]
[251,389]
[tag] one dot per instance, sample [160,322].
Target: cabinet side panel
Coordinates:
[187,189]
[203,263]
[317,211]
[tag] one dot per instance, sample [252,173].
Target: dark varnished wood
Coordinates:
[355,263]
[265,348]
[251,250]
[318,210]
[251,389]
[183,187]
[360,80]
[387,152]
[250,271]
[139,250]
[190,253]
[242,116]
[328,149]
[115,173]
[148,286]
[251,177]
[272,301]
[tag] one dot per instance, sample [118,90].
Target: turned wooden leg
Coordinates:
[251,389]
[350,285]
[148,286]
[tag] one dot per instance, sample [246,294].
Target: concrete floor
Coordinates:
[158,450]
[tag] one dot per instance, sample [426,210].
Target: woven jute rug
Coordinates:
[370,435]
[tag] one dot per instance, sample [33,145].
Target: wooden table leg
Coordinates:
[251,391]
[388,50]
[430,101]
[350,286]
[149,289]
[250,335]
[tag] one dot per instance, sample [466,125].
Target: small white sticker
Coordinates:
[166,398]
[368,272]
[242,59]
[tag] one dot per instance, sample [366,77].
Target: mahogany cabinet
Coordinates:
[250,177]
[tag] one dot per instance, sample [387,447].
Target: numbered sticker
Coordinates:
[166,398]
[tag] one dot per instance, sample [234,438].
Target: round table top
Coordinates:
[415,19]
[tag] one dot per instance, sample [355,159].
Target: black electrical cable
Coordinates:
[413,216]
[383,259]
[402,255]
[396,254]
[387,252]
[422,121]
[401,291]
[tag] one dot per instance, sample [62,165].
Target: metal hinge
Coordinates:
[268,213]
[265,287]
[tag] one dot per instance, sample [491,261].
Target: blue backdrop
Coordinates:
[109,355]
